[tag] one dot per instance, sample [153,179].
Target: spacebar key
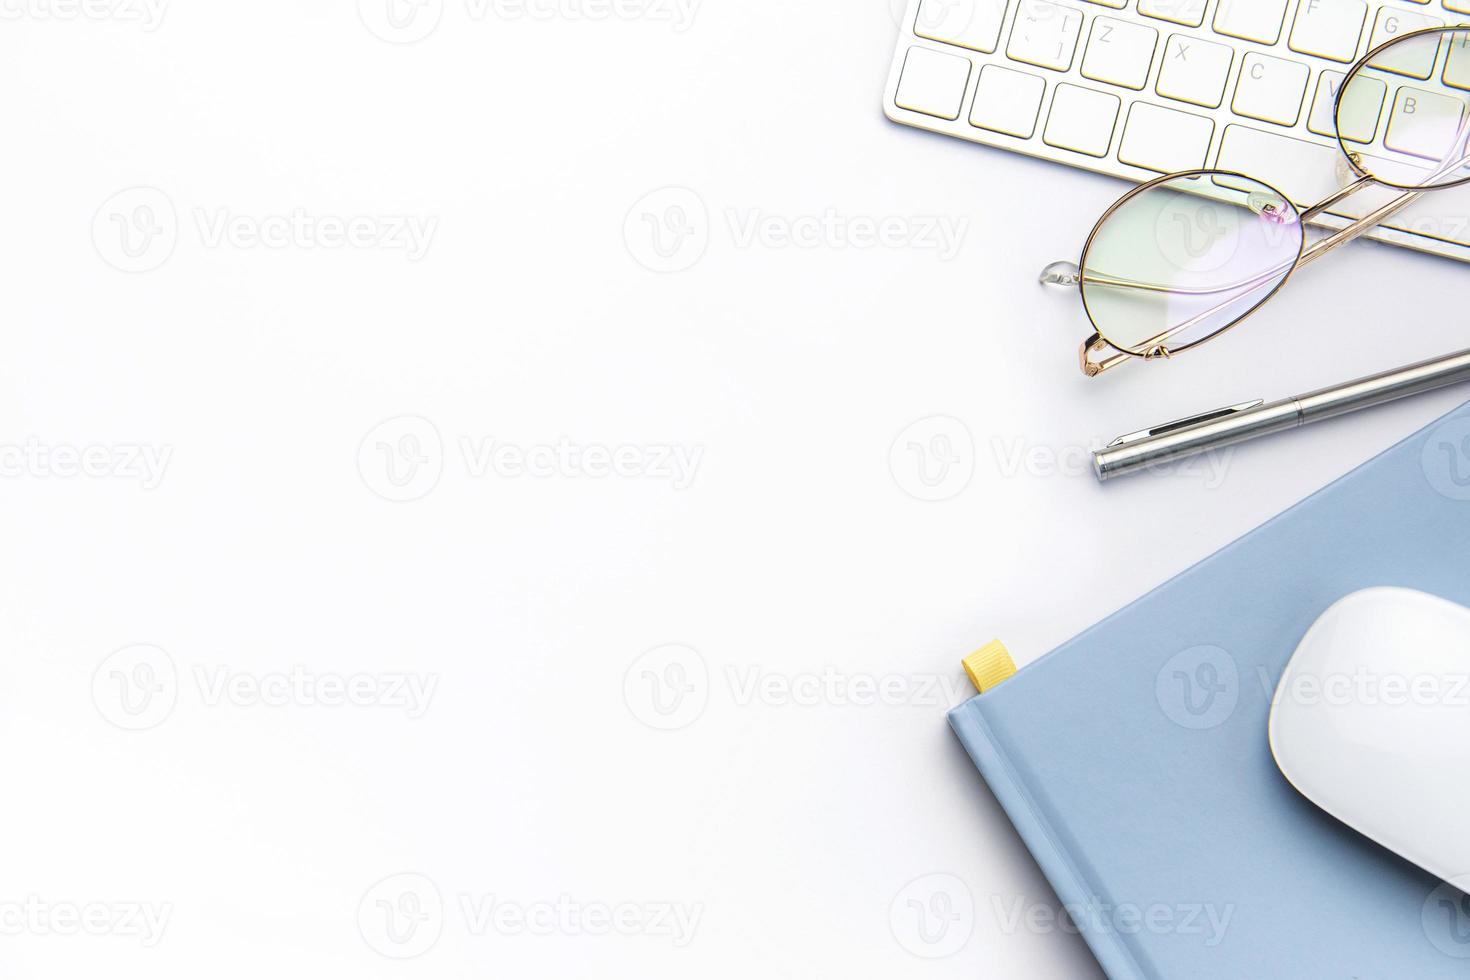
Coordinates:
[1305,172]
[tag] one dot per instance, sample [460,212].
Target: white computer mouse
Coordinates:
[1372,723]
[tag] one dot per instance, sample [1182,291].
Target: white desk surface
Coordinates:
[231,529]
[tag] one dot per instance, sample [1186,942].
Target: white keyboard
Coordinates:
[1136,88]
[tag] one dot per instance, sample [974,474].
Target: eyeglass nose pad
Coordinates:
[1060,274]
[1270,206]
[1344,169]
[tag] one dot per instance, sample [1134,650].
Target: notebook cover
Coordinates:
[1134,762]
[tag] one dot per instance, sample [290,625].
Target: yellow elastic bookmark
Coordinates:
[989,666]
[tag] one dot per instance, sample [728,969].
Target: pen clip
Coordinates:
[1184,423]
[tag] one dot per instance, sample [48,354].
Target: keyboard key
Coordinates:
[1360,111]
[1457,66]
[1320,120]
[1119,52]
[1190,13]
[1045,34]
[1415,59]
[1329,28]
[1252,20]
[973,24]
[1423,124]
[1195,71]
[1305,172]
[1211,98]
[1270,89]
[933,83]
[1007,101]
[1444,214]
[1082,120]
[1165,140]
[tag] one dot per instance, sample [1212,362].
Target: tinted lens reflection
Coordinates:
[1187,258]
[1405,116]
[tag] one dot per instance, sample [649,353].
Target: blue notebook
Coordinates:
[1134,761]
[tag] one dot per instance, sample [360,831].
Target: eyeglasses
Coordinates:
[1181,259]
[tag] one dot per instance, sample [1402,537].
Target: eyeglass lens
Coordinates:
[1404,115]
[1186,258]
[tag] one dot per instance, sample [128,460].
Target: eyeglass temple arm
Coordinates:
[1096,344]
[1322,246]
[1315,251]
[1337,197]
[1357,228]
[1103,279]
[1120,282]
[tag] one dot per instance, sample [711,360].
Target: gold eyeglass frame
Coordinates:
[1098,346]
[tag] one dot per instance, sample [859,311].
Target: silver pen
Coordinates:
[1239,423]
